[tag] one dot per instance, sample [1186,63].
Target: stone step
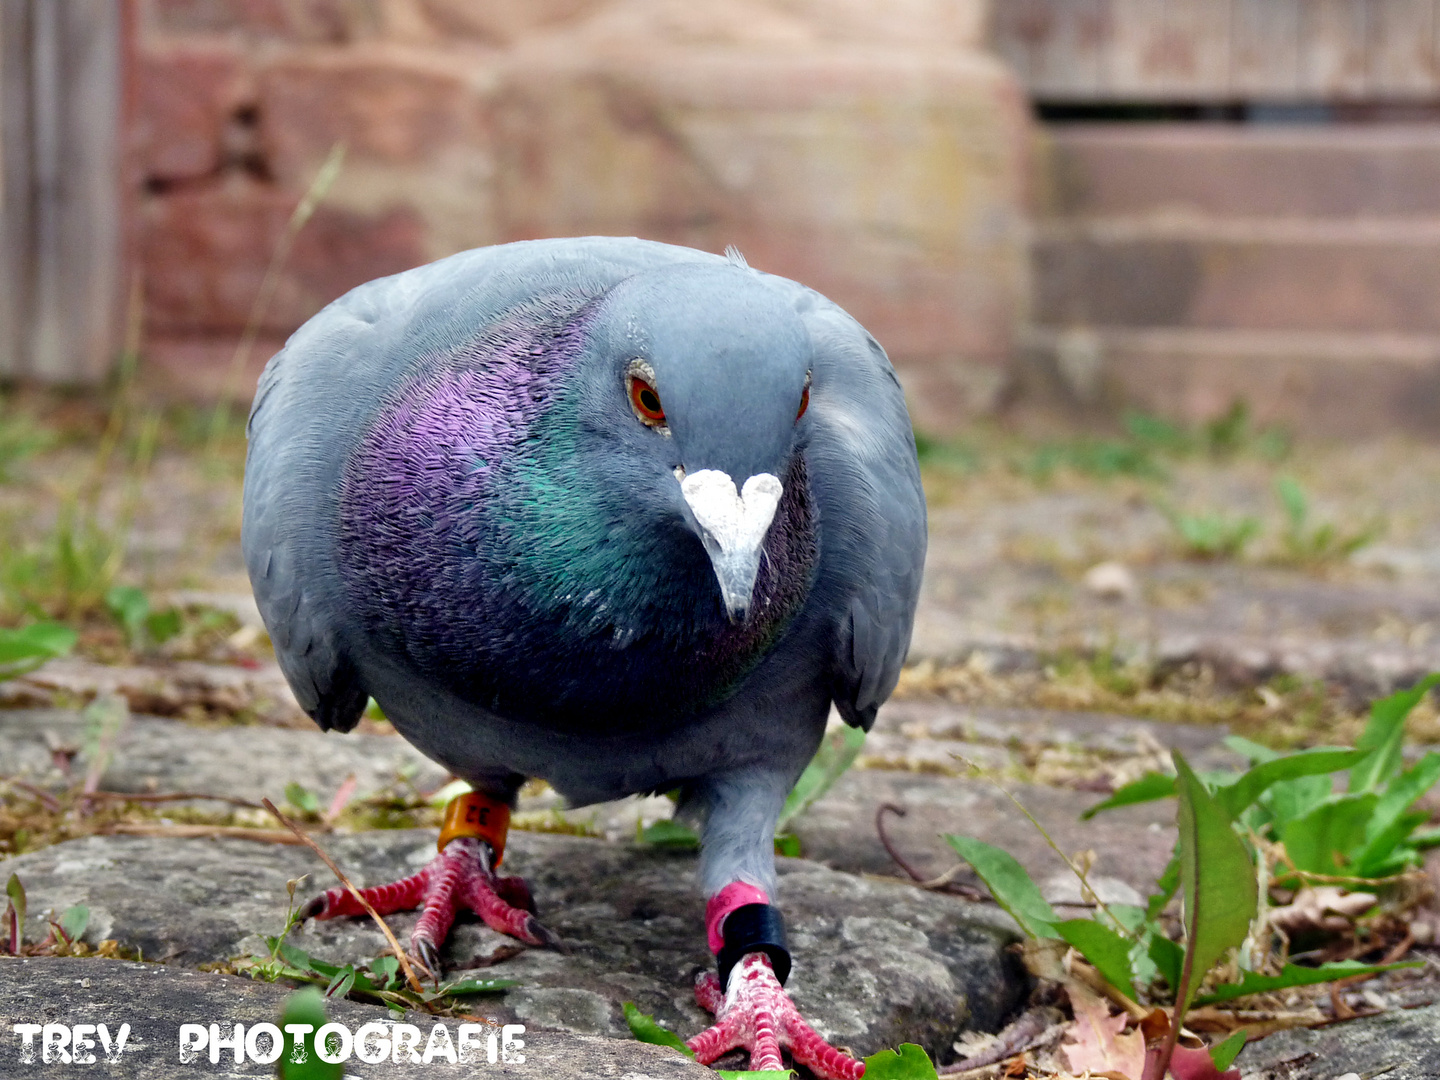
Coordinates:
[1243,170]
[1327,384]
[1238,274]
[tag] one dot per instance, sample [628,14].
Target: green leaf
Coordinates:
[1167,883]
[838,751]
[1253,751]
[1011,886]
[1236,797]
[460,987]
[301,798]
[129,605]
[1294,975]
[1168,957]
[30,646]
[300,959]
[910,1062]
[342,983]
[668,833]
[1106,950]
[1223,1053]
[14,930]
[163,625]
[1148,788]
[1293,499]
[1402,791]
[1387,852]
[1290,800]
[1385,733]
[1217,879]
[386,970]
[1325,840]
[788,845]
[73,922]
[305,1006]
[644,1028]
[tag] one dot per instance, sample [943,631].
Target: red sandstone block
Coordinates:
[187,94]
[1238,170]
[502,22]
[386,104]
[205,253]
[290,20]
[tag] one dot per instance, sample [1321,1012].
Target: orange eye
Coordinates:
[646,402]
[804,403]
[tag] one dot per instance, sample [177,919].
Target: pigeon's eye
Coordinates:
[646,402]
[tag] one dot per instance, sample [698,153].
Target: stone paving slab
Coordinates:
[246,762]
[1132,844]
[1402,1044]
[876,963]
[155,1000]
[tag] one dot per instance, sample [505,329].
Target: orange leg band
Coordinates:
[478,815]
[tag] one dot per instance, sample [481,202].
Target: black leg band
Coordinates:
[754,928]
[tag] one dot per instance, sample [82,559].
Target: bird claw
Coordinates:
[460,876]
[429,957]
[756,1013]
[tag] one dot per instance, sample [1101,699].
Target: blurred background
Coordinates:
[1076,204]
[1159,278]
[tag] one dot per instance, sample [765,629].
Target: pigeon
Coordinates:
[622,516]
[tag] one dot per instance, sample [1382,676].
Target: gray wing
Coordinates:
[872,509]
[313,403]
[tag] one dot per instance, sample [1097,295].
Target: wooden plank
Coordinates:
[14,183]
[1136,57]
[1400,60]
[62,187]
[1265,49]
[1333,49]
[1057,47]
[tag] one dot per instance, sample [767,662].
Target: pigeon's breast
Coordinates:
[481,551]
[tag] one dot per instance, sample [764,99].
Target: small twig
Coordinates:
[111,713]
[898,811]
[1015,1039]
[45,798]
[944,881]
[342,797]
[1086,892]
[307,206]
[369,908]
[173,796]
[1342,1010]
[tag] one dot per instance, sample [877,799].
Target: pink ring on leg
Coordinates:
[735,895]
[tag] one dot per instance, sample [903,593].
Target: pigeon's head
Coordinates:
[703,377]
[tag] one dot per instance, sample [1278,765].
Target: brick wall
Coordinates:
[868,148]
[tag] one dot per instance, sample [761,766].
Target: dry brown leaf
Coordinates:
[1325,908]
[1099,1041]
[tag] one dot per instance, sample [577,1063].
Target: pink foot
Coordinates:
[757,1014]
[460,876]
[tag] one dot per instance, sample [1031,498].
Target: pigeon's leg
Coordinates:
[472,843]
[750,1005]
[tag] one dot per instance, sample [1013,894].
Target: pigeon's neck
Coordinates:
[485,545]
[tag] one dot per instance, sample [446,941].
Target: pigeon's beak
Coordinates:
[732,527]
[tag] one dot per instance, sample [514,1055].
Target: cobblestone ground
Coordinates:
[1089,605]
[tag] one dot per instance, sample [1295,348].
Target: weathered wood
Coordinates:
[60,104]
[1332,56]
[1400,47]
[1222,50]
